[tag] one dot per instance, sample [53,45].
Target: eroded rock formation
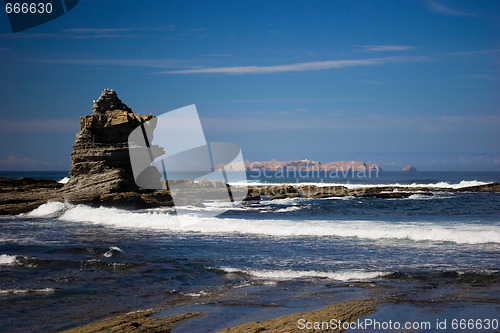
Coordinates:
[100,162]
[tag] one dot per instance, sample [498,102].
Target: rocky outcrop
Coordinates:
[256,193]
[25,194]
[492,187]
[409,168]
[100,161]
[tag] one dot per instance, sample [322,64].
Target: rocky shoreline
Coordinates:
[25,194]
[386,192]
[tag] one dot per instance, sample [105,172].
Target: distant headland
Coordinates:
[307,165]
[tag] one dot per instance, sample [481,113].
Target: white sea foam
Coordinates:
[6,259]
[444,185]
[418,196]
[289,209]
[287,274]
[49,209]
[113,250]
[286,201]
[64,180]
[458,232]
[27,291]
[198,294]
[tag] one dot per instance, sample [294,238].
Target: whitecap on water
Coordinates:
[64,180]
[49,209]
[287,274]
[27,291]
[113,251]
[6,259]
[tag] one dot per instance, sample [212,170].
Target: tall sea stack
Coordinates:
[100,162]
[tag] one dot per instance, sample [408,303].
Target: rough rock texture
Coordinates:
[109,102]
[100,162]
[410,168]
[343,312]
[25,194]
[255,193]
[135,321]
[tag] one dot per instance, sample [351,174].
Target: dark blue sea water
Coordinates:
[53,175]
[63,264]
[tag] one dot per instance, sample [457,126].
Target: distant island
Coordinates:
[409,168]
[307,165]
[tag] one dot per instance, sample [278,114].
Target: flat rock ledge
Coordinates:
[135,322]
[385,192]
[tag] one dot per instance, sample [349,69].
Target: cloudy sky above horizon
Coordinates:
[390,82]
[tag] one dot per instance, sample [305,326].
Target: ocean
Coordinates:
[63,265]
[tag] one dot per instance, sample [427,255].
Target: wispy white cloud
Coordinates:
[340,120]
[80,34]
[267,101]
[371,81]
[304,66]
[442,9]
[387,48]
[39,125]
[473,52]
[12,162]
[97,31]
[479,76]
[90,33]
[131,62]
[476,119]
[218,55]
[297,67]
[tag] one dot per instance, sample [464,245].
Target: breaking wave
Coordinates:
[49,209]
[63,180]
[287,274]
[27,291]
[6,259]
[443,185]
[459,232]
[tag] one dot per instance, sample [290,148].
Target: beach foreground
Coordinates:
[388,308]
[142,320]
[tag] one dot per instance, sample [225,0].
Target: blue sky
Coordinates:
[391,82]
